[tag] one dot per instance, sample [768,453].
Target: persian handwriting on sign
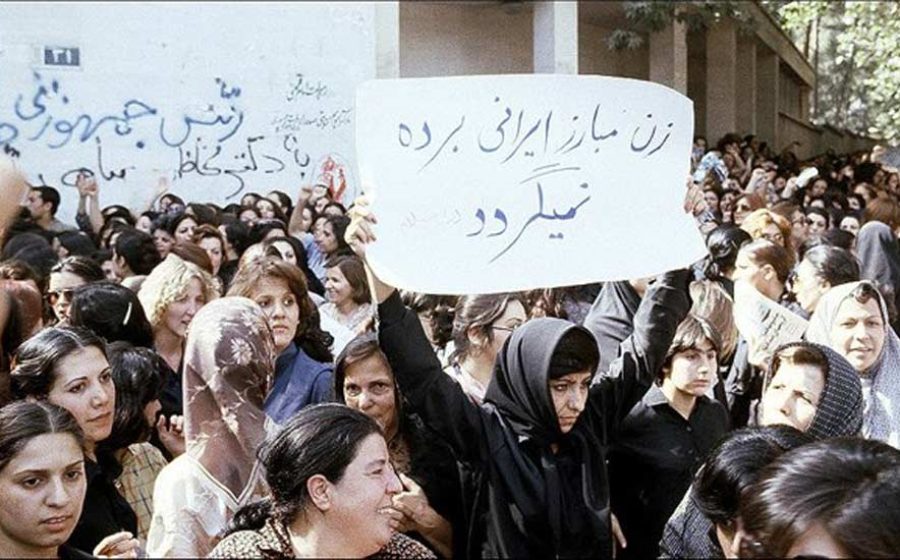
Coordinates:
[541,214]
[539,137]
[516,180]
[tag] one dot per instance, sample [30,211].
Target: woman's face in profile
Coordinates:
[361,501]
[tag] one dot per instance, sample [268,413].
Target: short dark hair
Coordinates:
[357,350]
[321,439]
[22,421]
[37,357]
[832,264]
[690,333]
[850,486]
[237,233]
[76,243]
[763,251]
[48,194]
[576,352]
[734,464]
[83,267]
[139,375]
[354,271]
[138,250]
[111,311]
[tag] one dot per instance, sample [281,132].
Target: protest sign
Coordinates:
[487,184]
[763,323]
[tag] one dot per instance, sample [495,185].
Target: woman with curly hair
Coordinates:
[765,224]
[303,368]
[171,295]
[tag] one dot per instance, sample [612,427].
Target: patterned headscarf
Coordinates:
[840,408]
[881,383]
[229,365]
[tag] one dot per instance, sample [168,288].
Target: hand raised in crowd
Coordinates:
[359,233]
[162,186]
[171,433]
[118,545]
[305,195]
[86,184]
[694,201]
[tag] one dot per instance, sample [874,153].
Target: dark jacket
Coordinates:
[299,381]
[611,319]
[526,501]
[653,461]
[105,511]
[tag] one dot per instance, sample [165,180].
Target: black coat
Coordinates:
[505,469]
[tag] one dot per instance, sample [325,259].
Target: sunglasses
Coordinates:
[54,295]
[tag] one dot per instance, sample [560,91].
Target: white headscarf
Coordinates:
[881,383]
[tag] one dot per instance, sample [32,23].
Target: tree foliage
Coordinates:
[696,15]
[855,47]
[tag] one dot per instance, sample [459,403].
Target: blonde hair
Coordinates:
[756,223]
[168,283]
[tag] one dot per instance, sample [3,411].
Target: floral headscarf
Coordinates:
[229,366]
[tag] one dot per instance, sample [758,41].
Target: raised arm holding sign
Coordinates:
[503,183]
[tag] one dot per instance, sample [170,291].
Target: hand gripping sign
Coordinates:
[486,184]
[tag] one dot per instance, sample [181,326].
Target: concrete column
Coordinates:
[721,80]
[767,74]
[556,37]
[387,39]
[746,86]
[669,57]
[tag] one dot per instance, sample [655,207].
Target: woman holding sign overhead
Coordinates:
[534,449]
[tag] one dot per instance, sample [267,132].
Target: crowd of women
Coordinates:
[191,380]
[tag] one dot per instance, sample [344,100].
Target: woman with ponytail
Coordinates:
[331,488]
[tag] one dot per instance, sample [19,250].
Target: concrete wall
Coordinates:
[449,39]
[746,83]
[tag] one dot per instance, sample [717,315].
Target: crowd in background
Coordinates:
[192,380]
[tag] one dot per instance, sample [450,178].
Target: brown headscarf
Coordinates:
[229,362]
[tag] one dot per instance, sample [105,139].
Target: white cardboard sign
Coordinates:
[485,184]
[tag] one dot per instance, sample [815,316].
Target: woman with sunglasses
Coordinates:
[65,276]
[744,205]
[481,324]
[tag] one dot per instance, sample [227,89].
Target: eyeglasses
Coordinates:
[54,295]
[506,329]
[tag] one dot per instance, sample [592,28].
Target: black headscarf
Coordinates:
[840,409]
[567,489]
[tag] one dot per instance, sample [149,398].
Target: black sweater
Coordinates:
[479,436]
